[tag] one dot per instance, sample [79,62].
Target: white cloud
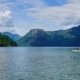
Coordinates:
[43,16]
[66,15]
[74,1]
[5,18]
[5,14]
[6,22]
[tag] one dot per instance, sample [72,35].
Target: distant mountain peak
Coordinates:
[36,31]
[76,27]
[14,37]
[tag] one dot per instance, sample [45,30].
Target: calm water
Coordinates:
[39,64]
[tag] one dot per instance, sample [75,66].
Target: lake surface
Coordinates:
[39,64]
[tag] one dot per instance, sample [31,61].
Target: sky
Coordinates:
[20,16]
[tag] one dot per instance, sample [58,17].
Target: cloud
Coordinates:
[66,15]
[6,18]
[39,14]
[74,1]
[5,14]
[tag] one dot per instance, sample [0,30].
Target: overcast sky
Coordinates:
[19,16]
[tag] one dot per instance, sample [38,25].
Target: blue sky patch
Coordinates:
[55,2]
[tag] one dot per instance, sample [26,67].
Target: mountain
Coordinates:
[5,41]
[14,37]
[60,38]
[35,37]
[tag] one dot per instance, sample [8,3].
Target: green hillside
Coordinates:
[5,41]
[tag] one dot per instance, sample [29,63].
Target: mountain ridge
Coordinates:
[41,38]
[14,37]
